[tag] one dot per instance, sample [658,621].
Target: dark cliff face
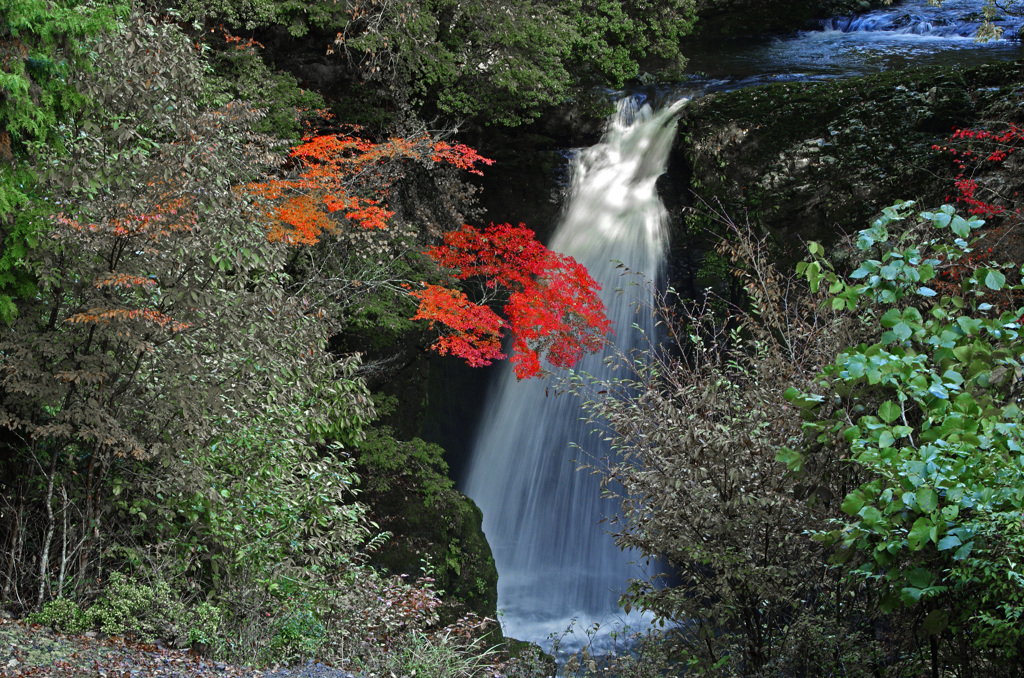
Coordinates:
[756,17]
[817,161]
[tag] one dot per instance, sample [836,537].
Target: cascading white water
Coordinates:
[905,34]
[541,516]
[955,18]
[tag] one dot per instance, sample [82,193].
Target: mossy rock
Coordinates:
[446,536]
[434,527]
[814,161]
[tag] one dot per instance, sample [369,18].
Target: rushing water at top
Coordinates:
[555,562]
[904,35]
[541,516]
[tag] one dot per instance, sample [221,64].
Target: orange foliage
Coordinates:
[552,307]
[98,316]
[343,180]
[124,227]
[123,280]
[473,331]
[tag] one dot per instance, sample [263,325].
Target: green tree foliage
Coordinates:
[240,72]
[929,406]
[41,45]
[161,329]
[501,62]
[169,408]
[877,412]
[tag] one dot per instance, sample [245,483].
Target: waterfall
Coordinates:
[542,517]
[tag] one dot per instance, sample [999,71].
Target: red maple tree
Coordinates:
[552,307]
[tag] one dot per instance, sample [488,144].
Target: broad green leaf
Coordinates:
[853,503]
[935,622]
[953,377]
[911,595]
[960,227]
[927,499]
[968,325]
[870,515]
[919,577]
[791,458]
[964,353]
[891,317]
[918,535]
[889,411]
[963,551]
[994,280]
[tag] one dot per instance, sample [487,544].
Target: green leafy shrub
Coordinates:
[63,615]
[131,607]
[389,461]
[297,636]
[928,406]
[45,45]
[695,424]
[241,73]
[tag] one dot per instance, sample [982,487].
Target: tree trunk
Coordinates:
[44,557]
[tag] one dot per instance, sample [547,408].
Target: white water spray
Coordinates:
[555,560]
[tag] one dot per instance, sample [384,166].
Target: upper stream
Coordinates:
[904,35]
[541,516]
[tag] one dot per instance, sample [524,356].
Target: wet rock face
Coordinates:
[816,161]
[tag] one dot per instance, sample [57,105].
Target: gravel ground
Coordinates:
[34,651]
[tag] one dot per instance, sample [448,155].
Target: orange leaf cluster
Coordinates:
[101,316]
[165,218]
[460,156]
[341,180]
[123,280]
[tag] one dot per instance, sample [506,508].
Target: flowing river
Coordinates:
[542,517]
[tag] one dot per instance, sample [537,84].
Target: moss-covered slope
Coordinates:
[814,161]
